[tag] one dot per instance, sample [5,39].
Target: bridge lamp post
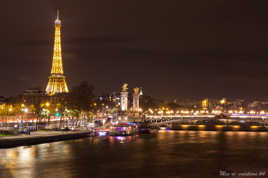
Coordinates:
[24,110]
[8,111]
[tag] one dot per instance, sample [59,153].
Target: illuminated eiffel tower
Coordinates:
[56,81]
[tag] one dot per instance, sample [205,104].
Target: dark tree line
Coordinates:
[81,98]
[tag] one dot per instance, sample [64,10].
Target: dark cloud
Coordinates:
[173,49]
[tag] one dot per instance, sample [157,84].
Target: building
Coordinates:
[33,96]
[2,100]
[56,82]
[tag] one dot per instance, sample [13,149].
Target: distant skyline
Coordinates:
[173,49]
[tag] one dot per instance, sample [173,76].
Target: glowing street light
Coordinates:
[47,104]
[252,112]
[26,110]
[223,101]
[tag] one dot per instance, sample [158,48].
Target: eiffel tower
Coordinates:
[56,81]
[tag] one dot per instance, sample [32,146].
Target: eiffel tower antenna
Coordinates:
[58,14]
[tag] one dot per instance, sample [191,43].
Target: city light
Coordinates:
[184,126]
[241,112]
[252,112]
[235,126]
[201,126]
[47,104]
[254,127]
[25,110]
[223,101]
[219,126]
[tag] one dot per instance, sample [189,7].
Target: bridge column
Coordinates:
[124,98]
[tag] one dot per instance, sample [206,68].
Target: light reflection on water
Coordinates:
[166,154]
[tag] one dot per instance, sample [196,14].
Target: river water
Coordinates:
[165,154]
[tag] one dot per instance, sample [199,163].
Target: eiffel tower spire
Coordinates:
[58,14]
[56,83]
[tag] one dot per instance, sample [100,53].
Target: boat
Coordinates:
[123,129]
[162,128]
[101,132]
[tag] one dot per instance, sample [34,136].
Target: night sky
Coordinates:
[173,49]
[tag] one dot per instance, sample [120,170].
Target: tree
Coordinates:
[147,102]
[80,98]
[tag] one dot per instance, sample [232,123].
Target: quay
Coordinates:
[40,137]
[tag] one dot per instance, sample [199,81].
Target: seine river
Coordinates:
[165,154]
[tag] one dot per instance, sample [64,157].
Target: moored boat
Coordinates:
[123,129]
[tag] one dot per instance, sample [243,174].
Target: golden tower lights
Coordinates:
[57,83]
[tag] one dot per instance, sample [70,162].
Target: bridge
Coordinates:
[192,118]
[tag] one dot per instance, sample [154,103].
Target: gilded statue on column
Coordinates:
[136,90]
[124,87]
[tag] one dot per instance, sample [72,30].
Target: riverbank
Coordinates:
[40,137]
